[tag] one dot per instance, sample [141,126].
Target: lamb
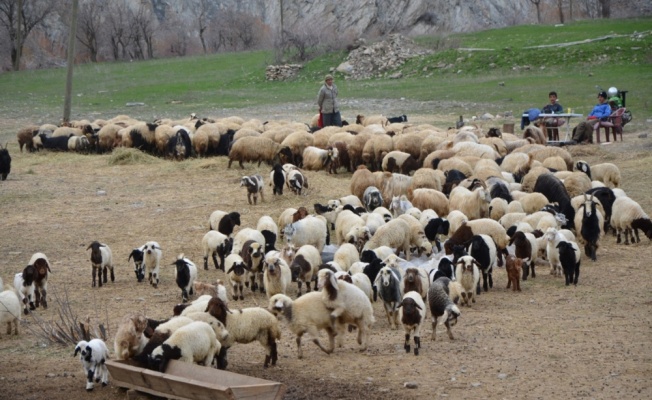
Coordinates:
[396,234]
[215,289]
[277,179]
[347,301]
[5,163]
[245,326]
[296,181]
[444,269]
[526,249]
[399,205]
[389,290]
[415,279]
[277,275]
[245,235]
[628,215]
[257,149]
[129,338]
[357,279]
[570,257]
[514,269]
[372,198]
[305,266]
[316,159]
[252,253]
[102,261]
[185,274]
[474,204]
[224,222]
[151,261]
[468,274]
[138,255]
[310,230]
[195,342]
[37,271]
[93,355]
[9,309]
[268,228]
[254,184]
[305,314]
[412,313]
[553,237]
[25,288]
[215,243]
[483,249]
[441,305]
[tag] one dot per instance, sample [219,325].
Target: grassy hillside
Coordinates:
[507,78]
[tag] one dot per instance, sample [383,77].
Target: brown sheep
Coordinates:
[513,267]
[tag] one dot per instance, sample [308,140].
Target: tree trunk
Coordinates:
[560,8]
[606,8]
[16,52]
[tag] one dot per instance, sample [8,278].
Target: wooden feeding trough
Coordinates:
[186,381]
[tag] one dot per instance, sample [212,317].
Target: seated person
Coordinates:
[553,123]
[601,111]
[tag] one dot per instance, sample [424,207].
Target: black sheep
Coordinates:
[228,223]
[5,163]
[607,198]
[224,144]
[555,191]
[372,271]
[278,179]
[569,256]
[55,143]
[435,227]
[481,251]
[402,118]
[590,227]
[500,190]
[179,146]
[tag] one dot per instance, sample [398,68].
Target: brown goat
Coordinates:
[513,267]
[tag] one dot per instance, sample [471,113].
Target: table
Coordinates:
[568,116]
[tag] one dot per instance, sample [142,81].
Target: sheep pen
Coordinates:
[170,203]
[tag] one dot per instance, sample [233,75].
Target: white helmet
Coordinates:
[612,91]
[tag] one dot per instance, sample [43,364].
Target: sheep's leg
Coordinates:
[472,296]
[534,274]
[526,270]
[434,328]
[217,265]
[222,363]
[638,239]
[406,345]
[184,295]
[242,166]
[618,231]
[485,284]
[491,279]
[627,236]
[105,272]
[93,275]
[235,291]
[517,284]
[464,299]
[112,274]
[417,345]
[577,273]
[261,284]
[37,294]
[89,379]
[509,282]
[241,290]
[362,335]
[299,283]
[206,263]
[448,329]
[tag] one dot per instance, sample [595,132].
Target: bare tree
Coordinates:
[605,7]
[32,14]
[560,9]
[201,10]
[117,22]
[89,21]
[537,4]
[144,23]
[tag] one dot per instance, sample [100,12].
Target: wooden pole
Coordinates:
[72,37]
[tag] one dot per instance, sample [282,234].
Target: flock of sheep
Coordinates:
[454,204]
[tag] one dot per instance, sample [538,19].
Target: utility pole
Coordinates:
[72,36]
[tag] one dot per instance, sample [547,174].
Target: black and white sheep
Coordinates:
[255,186]
[269,229]
[553,188]
[388,283]
[305,266]
[483,249]
[216,244]
[152,260]
[185,273]
[102,262]
[277,179]
[93,356]
[224,222]
[435,228]
[245,326]
[526,250]
[236,274]
[296,181]
[441,305]
[54,143]
[591,229]
[570,257]
[5,162]
[412,313]
[372,198]
[138,256]
[628,217]
[195,342]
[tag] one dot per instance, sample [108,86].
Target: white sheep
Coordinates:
[474,204]
[418,239]
[345,256]
[358,279]
[310,230]
[151,261]
[93,356]
[9,309]
[628,216]
[277,275]
[373,221]
[245,326]
[347,301]
[305,314]
[468,274]
[195,342]
[396,234]
[412,314]
[236,274]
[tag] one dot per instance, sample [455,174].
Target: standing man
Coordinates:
[328,104]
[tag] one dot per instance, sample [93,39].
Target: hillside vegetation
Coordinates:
[507,78]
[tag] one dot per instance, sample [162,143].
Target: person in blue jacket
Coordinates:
[583,132]
[601,110]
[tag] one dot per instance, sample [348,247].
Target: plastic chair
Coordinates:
[613,122]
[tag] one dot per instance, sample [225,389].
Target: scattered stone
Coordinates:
[51,375]
[476,384]
[281,72]
[134,104]
[396,75]
[502,376]
[383,390]
[642,136]
[345,68]
[501,83]
[411,385]
[101,192]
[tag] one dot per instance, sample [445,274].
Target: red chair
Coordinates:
[613,122]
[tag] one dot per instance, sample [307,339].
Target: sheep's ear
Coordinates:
[245,266]
[477,263]
[77,350]
[418,306]
[400,305]
[333,280]
[230,269]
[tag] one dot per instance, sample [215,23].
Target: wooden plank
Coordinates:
[190,381]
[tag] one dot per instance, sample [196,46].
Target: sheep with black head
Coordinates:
[102,261]
[138,256]
[255,186]
[185,273]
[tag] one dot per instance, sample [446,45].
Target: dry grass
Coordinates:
[550,341]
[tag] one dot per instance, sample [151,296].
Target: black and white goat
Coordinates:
[93,357]
[179,146]
[185,274]
[255,186]
[296,181]
[483,249]
[138,255]
[102,261]
[400,118]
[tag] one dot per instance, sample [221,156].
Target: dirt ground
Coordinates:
[548,342]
